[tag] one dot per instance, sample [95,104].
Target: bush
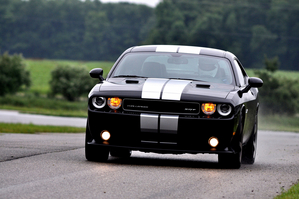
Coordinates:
[278,95]
[71,82]
[12,74]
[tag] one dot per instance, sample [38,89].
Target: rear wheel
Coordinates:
[249,152]
[94,152]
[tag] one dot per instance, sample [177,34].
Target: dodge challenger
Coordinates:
[174,99]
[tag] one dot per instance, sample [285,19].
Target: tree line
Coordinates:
[91,30]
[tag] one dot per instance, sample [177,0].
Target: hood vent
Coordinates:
[128,81]
[202,86]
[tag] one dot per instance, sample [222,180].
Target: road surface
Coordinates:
[54,166]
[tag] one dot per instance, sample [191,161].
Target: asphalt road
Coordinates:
[54,166]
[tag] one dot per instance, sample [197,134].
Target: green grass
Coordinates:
[279,73]
[44,106]
[30,128]
[279,123]
[292,193]
[40,71]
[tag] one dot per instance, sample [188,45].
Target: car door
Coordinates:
[249,100]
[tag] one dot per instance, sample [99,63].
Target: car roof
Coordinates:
[182,49]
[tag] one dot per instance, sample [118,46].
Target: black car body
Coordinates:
[174,99]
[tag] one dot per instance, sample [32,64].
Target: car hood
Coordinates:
[166,89]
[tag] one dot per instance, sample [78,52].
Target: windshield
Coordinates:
[175,66]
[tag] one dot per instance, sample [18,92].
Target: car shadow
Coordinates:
[167,162]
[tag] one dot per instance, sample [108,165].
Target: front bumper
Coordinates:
[190,136]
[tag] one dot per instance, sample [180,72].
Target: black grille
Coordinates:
[161,106]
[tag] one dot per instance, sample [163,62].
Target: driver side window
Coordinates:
[240,75]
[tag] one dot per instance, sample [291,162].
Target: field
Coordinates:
[40,71]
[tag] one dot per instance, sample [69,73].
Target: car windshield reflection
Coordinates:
[175,66]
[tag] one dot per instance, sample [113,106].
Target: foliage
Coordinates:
[91,30]
[249,29]
[278,95]
[71,82]
[12,74]
[72,29]
[40,71]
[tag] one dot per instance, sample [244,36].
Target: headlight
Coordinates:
[224,109]
[99,102]
[208,108]
[114,102]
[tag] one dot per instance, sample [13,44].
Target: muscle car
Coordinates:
[174,99]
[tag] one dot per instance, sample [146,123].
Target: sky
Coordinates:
[151,3]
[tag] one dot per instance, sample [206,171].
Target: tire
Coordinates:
[121,153]
[249,152]
[93,152]
[234,160]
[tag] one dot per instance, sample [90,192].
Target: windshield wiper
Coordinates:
[136,76]
[186,79]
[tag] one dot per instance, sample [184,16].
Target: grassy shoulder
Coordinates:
[292,193]
[279,123]
[31,129]
[44,106]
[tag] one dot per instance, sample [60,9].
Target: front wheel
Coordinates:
[230,160]
[234,160]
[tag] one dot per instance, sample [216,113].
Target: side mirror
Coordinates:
[253,82]
[97,73]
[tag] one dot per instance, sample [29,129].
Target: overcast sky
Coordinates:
[151,3]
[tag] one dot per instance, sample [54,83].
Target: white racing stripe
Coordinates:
[169,124]
[152,88]
[170,90]
[189,50]
[170,49]
[149,122]
[173,89]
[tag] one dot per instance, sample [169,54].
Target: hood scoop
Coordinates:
[130,81]
[202,86]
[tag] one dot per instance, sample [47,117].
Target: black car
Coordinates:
[174,99]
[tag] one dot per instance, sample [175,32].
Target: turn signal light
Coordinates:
[114,102]
[208,108]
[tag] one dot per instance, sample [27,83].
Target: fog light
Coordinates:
[213,141]
[105,135]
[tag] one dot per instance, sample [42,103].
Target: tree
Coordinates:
[12,74]
[71,82]
[278,95]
